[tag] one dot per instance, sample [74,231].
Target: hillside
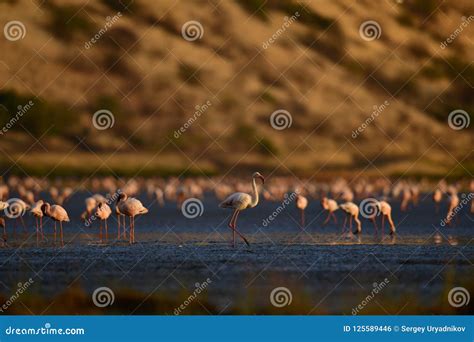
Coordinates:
[204,104]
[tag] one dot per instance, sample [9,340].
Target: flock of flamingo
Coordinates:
[234,194]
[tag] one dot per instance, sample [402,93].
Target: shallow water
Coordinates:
[325,271]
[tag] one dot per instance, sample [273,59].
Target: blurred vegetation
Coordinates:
[68,21]
[42,118]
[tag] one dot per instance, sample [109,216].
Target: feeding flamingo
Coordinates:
[386,210]
[58,214]
[240,201]
[331,206]
[352,211]
[130,207]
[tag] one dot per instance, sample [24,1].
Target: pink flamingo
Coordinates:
[352,211]
[240,201]
[331,206]
[301,204]
[130,207]
[58,214]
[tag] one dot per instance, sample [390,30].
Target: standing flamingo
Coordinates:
[352,211]
[437,197]
[103,212]
[240,201]
[331,206]
[58,214]
[301,204]
[38,214]
[130,207]
[453,203]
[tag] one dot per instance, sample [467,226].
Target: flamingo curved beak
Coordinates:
[262,178]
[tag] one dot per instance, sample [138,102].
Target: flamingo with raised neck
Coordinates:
[240,201]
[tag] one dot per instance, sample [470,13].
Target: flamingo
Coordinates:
[2,224]
[352,211]
[58,214]
[103,212]
[3,206]
[91,204]
[331,206]
[453,203]
[130,207]
[240,201]
[301,204]
[386,211]
[38,214]
[437,197]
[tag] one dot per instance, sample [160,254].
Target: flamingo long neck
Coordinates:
[255,194]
